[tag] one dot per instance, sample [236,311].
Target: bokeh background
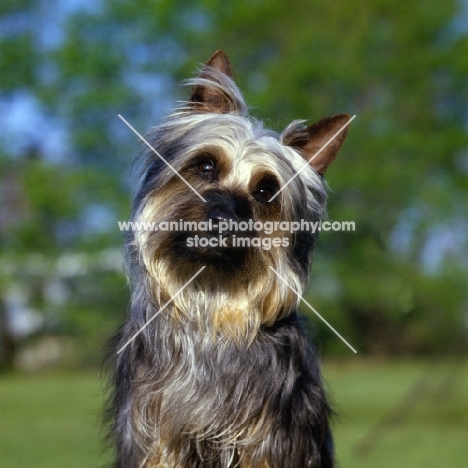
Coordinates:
[396,288]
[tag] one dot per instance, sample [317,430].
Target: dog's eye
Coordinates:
[264,193]
[206,168]
[266,189]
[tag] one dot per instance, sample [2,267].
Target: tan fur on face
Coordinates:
[232,306]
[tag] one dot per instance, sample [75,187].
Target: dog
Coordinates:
[214,368]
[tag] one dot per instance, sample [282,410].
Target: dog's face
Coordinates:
[232,183]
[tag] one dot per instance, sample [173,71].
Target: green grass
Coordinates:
[53,420]
[401,415]
[50,421]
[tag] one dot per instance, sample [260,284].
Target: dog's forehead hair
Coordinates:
[242,149]
[251,161]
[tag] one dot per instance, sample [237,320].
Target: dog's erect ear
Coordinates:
[213,98]
[221,62]
[310,140]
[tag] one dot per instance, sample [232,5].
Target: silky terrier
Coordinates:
[214,369]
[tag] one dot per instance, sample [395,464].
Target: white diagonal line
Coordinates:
[161,309]
[313,310]
[160,157]
[312,158]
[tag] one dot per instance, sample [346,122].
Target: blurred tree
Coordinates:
[61,186]
[68,68]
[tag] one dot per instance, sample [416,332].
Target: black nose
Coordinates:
[217,216]
[220,215]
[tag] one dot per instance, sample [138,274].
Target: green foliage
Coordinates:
[395,285]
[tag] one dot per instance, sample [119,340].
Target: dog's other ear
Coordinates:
[213,94]
[310,140]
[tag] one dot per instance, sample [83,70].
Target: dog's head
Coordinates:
[220,191]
